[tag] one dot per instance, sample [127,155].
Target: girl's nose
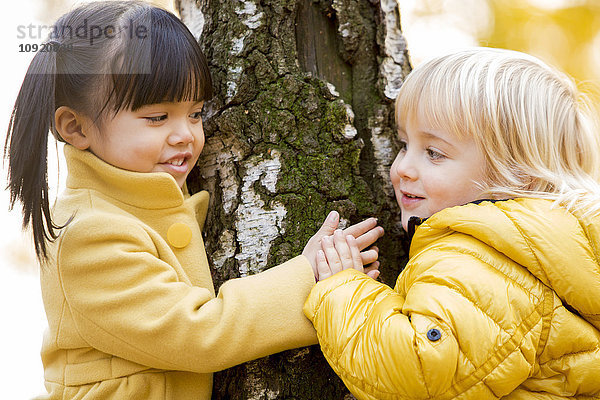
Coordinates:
[403,168]
[182,134]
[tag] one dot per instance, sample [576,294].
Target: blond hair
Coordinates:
[536,130]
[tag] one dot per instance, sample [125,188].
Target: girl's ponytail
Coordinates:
[31,120]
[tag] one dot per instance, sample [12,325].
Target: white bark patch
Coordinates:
[219,156]
[194,18]
[332,89]
[238,45]
[258,224]
[259,392]
[344,30]
[249,15]
[226,249]
[218,161]
[251,18]
[233,75]
[394,46]
[350,131]
[383,153]
[349,112]
[392,77]
[228,183]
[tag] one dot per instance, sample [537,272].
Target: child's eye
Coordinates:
[434,155]
[157,119]
[196,115]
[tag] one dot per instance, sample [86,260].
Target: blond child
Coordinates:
[497,182]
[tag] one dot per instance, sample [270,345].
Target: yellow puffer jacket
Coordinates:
[498,300]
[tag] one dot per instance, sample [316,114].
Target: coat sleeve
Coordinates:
[377,350]
[433,342]
[126,301]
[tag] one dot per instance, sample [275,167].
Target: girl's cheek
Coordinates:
[394,175]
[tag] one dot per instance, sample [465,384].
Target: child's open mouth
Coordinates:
[409,200]
[177,164]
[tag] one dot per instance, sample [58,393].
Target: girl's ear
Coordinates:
[73,127]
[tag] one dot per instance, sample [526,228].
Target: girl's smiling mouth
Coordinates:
[410,200]
[177,164]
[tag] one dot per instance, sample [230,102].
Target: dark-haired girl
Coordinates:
[131,307]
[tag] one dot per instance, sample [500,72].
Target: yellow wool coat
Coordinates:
[498,300]
[130,302]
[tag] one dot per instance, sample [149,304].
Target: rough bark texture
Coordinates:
[302,123]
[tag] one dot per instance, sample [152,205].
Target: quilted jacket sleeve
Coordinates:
[453,326]
[125,301]
[378,351]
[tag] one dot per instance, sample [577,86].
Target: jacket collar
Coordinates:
[557,246]
[414,221]
[152,191]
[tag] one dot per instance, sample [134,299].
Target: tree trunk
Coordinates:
[302,123]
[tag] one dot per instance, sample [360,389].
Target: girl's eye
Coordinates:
[434,155]
[196,115]
[157,119]
[403,146]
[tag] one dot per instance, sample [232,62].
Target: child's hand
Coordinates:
[341,252]
[365,233]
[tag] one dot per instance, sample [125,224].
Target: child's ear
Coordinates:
[73,127]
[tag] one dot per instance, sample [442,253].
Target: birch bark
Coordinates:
[302,123]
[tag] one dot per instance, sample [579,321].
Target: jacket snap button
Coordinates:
[179,235]
[434,335]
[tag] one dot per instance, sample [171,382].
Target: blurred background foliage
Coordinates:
[564,33]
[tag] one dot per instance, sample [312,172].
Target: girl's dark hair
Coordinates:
[103,57]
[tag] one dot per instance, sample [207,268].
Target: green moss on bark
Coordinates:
[267,104]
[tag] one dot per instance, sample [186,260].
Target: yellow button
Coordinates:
[179,235]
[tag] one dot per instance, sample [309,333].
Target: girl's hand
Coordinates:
[365,232]
[342,252]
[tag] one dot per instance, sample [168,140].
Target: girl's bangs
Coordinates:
[166,66]
[434,100]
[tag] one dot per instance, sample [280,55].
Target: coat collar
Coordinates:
[144,190]
[557,246]
[414,222]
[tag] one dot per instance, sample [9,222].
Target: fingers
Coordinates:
[369,256]
[373,270]
[373,274]
[355,253]
[340,253]
[365,240]
[366,232]
[331,254]
[330,224]
[310,250]
[323,269]
[343,250]
[361,228]
[372,267]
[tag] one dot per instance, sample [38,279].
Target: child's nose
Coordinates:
[181,134]
[403,168]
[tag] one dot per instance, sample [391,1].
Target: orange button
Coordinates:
[179,235]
